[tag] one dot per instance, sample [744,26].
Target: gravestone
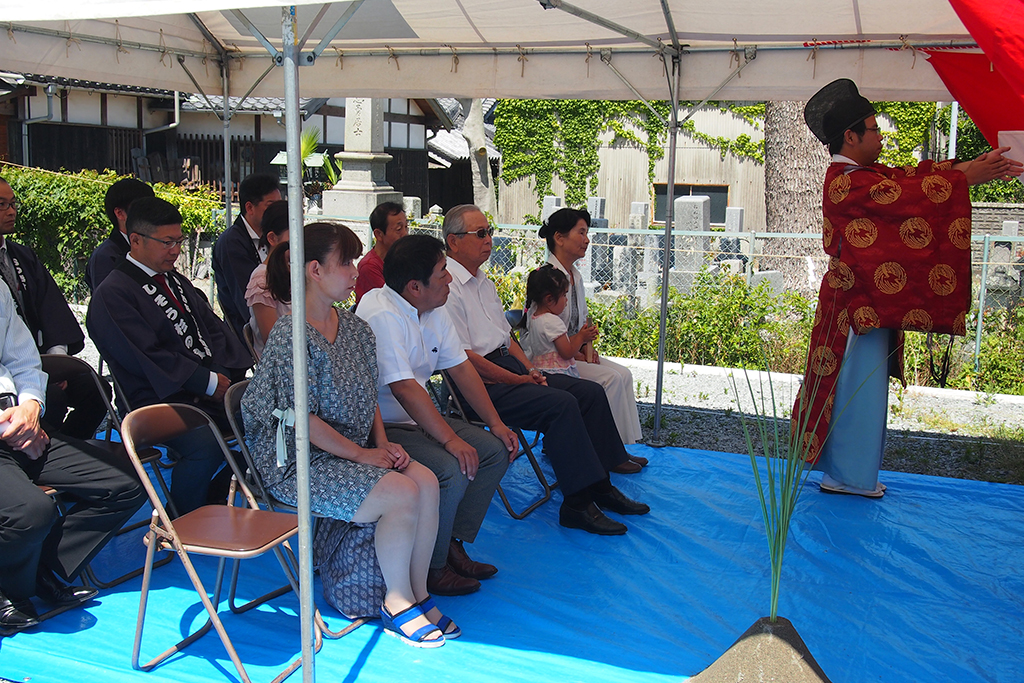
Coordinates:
[551,204]
[693,214]
[1004,276]
[413,207]
[363,183]
[596,207]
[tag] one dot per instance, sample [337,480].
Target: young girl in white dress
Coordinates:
[548,344]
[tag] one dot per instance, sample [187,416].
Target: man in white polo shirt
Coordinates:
[415,337]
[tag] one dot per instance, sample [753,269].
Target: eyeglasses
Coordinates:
[168,244]
[481,233]
[13,204]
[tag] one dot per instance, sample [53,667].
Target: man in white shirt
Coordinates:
[580,437]
[35,542]
[415,337]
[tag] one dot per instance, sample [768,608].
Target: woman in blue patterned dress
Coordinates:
[356,474]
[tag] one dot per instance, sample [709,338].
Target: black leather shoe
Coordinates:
[616,501]
[51,590]
[16,615]
[591,520]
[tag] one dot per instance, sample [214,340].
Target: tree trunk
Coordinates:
[794,169]
[476,137]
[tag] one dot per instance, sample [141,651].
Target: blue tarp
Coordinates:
[923,585]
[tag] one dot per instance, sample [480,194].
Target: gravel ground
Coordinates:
[941,432]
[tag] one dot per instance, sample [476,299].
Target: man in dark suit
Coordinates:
[236,253]
[105,257]
[164,343]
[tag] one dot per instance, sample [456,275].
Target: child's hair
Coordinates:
[543,282]
[320,241]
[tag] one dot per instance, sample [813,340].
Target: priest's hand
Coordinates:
[990,166]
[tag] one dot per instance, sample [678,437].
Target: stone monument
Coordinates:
[363,184]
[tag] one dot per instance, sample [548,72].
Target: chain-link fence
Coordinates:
[627,263]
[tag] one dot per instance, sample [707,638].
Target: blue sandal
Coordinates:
[444,622]
[393,626]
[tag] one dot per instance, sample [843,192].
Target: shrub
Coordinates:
[60,215]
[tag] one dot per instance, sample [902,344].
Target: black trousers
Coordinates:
[76,410]
[580,437]
[101,490]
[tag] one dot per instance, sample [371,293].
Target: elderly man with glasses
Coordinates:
[164,343]
[580,437]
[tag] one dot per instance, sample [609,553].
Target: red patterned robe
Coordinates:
[900,243]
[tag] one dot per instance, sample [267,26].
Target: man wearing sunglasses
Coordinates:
[580,437]
[163,342]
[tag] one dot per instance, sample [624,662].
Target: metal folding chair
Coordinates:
[250,341]
[60,368]
[215,530]
[233,408]
[525,448]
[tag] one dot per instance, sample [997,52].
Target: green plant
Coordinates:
[785,459]
[60,215]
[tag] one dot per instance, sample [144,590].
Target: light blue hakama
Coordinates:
[855,445]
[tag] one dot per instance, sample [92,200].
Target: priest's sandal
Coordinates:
[425,636]
[448,627]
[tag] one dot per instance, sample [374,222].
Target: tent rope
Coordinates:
[120,45]
[455,59]
[590,53]
[392,55]
[67,44]
[340,61]
[907,46]
[522,59]
[10,32]
[164,52]
[813,58]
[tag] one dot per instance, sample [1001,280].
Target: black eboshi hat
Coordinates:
[836,108]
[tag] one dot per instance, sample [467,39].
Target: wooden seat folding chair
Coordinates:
[60,368]
[525,448]
[233,408]
[225,532]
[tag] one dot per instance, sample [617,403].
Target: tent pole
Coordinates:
[298,282]
[673,132]
[226,121]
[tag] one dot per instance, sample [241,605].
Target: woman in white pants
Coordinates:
[566,235]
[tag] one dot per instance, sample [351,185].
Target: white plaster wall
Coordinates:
[121,111]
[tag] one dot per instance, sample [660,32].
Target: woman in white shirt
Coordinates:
[566,235]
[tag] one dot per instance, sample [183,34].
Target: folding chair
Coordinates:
[60,368]
[215,530]
[233,408]
[250,341]
[525,448]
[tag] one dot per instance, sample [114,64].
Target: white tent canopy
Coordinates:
[493,48]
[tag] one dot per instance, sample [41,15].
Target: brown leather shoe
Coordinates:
[464,566]
[628,467]
[445,581]
[639,460]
